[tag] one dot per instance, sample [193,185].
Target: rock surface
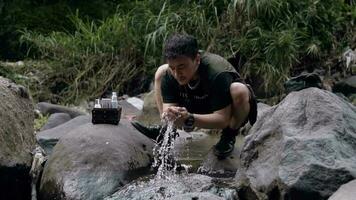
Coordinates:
[184,186]
[17,141]
[93,161]
[227,167]
[345,192]
[261,109]
[346,87]
[128,110]
[47,139]
[48,108]
[59,124]
[56,119]
[302,148]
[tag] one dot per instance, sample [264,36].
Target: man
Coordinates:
[201,89]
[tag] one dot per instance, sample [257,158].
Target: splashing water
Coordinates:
[163,151]
[167,184]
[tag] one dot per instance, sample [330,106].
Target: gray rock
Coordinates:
[48,108]
[128,110]
[346,87]
[92,161]
[184,186]
[56,119]
[47,139]
[197,196]
[17,141]
[303,148]
[345,192]
[261,109]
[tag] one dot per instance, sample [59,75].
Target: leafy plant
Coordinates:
[276,39]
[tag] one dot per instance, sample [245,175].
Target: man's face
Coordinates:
[183,68]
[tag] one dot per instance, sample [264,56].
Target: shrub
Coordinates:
[276,38]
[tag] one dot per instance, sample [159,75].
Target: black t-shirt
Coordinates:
[213,92]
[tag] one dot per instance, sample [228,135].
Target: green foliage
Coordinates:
[85,64]
[43,17]
[40,122]
[275,37]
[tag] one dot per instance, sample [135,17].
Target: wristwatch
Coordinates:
[188,125]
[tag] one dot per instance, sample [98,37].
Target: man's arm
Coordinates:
[217,120]
[157,86]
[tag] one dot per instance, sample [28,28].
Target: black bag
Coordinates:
[106,115]
[305,80]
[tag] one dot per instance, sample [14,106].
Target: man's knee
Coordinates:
[239,93]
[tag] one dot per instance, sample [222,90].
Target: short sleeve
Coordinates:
[220,93]
[169,89]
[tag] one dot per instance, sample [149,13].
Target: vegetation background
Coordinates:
[75,50]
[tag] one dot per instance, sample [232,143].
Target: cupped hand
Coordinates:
[176,114]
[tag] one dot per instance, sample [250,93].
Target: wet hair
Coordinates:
[180,45]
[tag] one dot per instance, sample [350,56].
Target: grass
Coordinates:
[119,53]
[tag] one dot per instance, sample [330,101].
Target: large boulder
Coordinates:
[56,119]
[48,138]
[17,141]
[345,192]
[302,148]
[346,87]
[92,161]
[48,108]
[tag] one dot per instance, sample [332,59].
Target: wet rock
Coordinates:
[216,167]
[93,161]
[17,141]
[184,186]
[197,196]
[192,148]
[303,148]
[48,108]
[56,119]
[345,192]
[47,139]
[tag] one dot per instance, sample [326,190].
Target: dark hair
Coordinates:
[180,45]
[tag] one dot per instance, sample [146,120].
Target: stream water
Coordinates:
[173,180]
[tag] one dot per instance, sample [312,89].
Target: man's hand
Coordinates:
[177,114]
